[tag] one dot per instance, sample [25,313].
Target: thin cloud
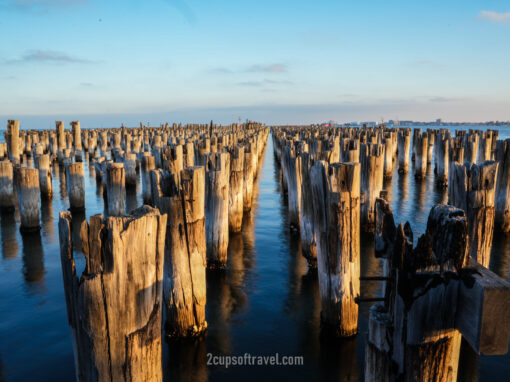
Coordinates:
[273,68]
[48,56]
[264,82]
[426,64]
[495,17]
[86,84]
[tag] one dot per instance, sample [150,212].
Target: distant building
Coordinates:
[439,121]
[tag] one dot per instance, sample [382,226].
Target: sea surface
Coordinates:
[265,302]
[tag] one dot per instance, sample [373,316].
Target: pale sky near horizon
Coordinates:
[107,62]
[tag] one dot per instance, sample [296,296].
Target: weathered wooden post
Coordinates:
[116,189]
[307,231]
[421,151]
[13,140]
[6,186]
[130,168]
[442,160]
[336,199]
[185,249]
[388,156]
[403,143]
[473,188]
[217,177]
[61,139]
[148,164]
[372,167]
[250,168]
[235,196]
[75,126]
[434,294]
[470,148]
[29,200]
[115,307]
[75,186]
[502,220]
[293,175]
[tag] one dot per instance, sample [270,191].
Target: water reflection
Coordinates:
[338,361]
[47,223]
[33,262]
[187,360]
[9,241]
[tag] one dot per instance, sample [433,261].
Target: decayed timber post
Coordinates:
[29,199]
[307,232]
[442,164]
[185,249]
[372,167]
[403,144]
[473,188]
[6,186]
[115,307]
[75,186]
[434,295]
[148,164]
[336,200]
[13,140]
[503,186]
[43,164]
[217,175]
[235,195]
[421,152]
[116,189]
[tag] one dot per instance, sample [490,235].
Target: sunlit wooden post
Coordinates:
[336,199]
[116,189]
[7,199]
[29,199]
[115,307]
[217,176]
[473,188]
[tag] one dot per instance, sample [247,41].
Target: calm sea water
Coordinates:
[266,302]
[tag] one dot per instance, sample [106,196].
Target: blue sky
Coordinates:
[107,62]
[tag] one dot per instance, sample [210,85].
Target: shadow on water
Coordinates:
[10,246]
[33,262]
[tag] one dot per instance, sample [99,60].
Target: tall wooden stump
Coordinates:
[185,249]
[336,200]
[217,174]
[388,156]
[292,170]
[13,140]
[473,188]
[43,164]
[75,186]
[115,307]
[421,152]
[61,139]
[29,199]
[6,186]
[470,148]
[403,143]
[372,166]
[442,160]
[235,195]
[75,127]
[116,189]
[148,164]
[250,168]
[503,186]
[130,168]
[307,231]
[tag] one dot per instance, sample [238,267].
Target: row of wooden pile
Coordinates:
[197,182]
[434,293]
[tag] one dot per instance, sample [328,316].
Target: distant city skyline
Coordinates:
[106,63]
